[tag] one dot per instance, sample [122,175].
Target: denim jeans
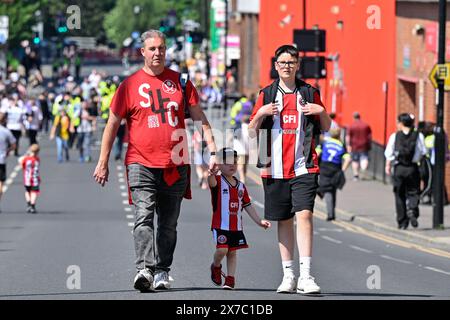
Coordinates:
[150,195]
[61,145]
[84,145]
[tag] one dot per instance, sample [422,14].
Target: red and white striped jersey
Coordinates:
[288,133]
[30,166]
[228,203]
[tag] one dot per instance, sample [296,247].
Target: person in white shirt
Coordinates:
[33,120]
[15,118]
[403,153]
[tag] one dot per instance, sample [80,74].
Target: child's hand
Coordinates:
[265,224]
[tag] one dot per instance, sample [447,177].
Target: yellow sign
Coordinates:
[440,72]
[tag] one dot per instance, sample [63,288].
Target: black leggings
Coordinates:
[17,134]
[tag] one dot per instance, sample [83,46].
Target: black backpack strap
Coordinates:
[265,135]
[184,78]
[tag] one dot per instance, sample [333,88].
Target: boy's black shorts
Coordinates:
[232,240]
[32,189]
[284,197]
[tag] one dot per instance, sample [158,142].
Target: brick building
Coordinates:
[417,47]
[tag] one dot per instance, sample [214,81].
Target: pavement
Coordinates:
[370,204]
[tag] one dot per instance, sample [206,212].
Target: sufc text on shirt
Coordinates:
[228,203]
[30,166]
[154,109]
[288,134]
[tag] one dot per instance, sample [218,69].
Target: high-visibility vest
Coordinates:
[74,111]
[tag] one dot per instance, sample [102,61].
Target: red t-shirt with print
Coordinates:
[154,109]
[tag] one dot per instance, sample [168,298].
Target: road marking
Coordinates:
[123,187]
[124,194]
[121,180]
[120,174]
[11,177]
[395,259]
[331,229]
[258,204]
[331,239]
[119,168]
[127,209]
[125,202]
[360,249]
[131,224]
[130,216]
[437,270]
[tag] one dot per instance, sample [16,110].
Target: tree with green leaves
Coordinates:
[125,18]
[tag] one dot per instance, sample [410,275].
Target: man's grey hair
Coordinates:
[152,34]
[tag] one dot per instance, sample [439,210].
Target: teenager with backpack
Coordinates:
[289,115]
[403,153]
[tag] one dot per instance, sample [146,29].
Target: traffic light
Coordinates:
[36,39]
[62,29]
[310,40]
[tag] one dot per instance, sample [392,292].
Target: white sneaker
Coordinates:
[162,281]
[287,285]
[307,286]
[143,281]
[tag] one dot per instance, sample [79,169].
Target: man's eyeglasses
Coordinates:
[289,64]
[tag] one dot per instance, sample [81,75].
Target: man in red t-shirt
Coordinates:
[359,140]
[152,102]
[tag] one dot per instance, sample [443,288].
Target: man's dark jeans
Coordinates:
[150,195]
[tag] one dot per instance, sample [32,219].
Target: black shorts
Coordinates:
[284,197]
[232,240]
[2,172]
[32,189]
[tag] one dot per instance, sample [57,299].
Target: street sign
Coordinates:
[440,72]
[4,29]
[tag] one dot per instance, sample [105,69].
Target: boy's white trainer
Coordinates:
[287,285]
[307,286]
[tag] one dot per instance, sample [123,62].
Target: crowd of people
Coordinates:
[60,109]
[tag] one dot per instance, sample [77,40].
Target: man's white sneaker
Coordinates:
[307,286]
[161,281]
[143,281]
[287,285]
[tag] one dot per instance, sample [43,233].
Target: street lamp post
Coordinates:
[439,142]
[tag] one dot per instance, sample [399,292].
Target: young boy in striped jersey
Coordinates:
[31,178]
[229,198]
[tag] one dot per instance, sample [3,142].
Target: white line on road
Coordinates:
[331,229]
[120,174]
[395,259]
[124,194]
[331,239]
[437,270]
[127,209]
[11,177]
[258,204]
[125,202]
[130,216]
[131,224]
[122,180]
[360,249]
[119,168]
[123,187]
